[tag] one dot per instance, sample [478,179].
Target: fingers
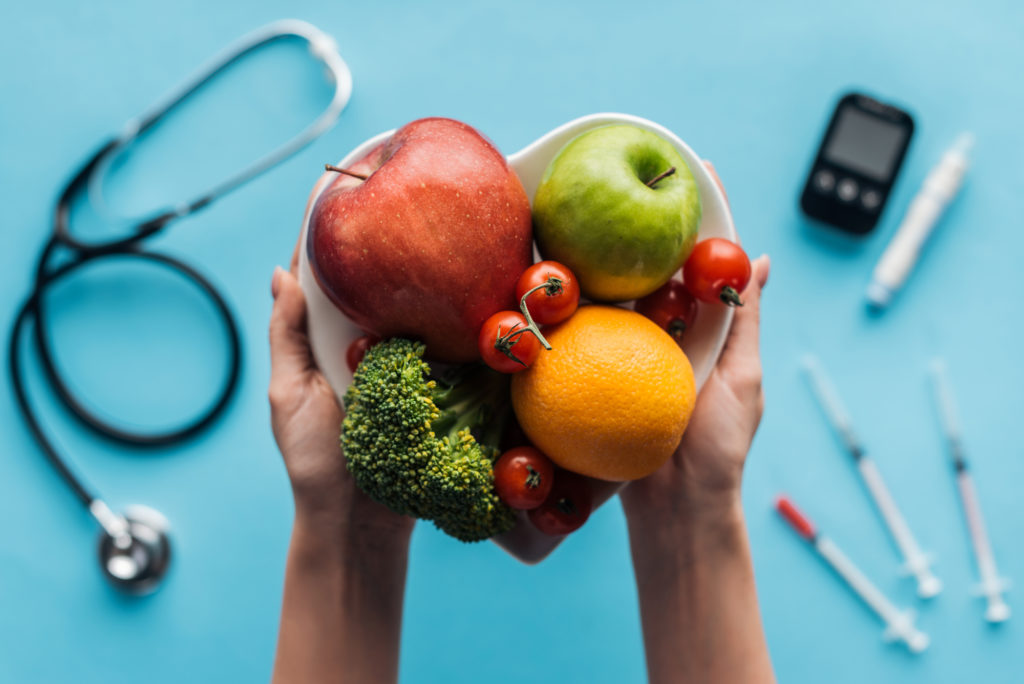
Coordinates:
[718,181]
[290,355]
[741,356]
[293,267]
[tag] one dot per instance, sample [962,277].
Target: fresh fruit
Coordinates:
[717,270]
[619,206]
[567,507]
[611,399]
[558,294]
[357,350]
[430,244]
[523,478]
[507,343]
[671,307]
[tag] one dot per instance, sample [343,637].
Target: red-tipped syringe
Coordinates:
[899,624]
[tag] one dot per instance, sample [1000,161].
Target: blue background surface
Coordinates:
[747,84]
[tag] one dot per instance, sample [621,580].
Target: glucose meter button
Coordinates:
[847,189]
[824,181]
[870,199]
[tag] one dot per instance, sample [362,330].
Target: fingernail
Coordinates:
[275,282]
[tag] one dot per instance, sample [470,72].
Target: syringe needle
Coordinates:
[916,561]
[991,586]
[830,403]
[899,624]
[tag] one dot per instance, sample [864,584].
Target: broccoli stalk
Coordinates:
[426,448]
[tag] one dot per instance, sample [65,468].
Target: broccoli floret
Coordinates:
[424,447]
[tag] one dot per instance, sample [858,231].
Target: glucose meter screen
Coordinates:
[864,143]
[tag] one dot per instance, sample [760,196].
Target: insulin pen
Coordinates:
[991,585]
[899,624]
[939,189]
[916,561]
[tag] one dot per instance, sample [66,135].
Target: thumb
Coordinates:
[290,354]
[741,347]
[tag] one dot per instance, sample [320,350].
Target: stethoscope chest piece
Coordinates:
[136,562]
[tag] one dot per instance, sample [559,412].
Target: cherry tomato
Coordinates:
[557,300]
[567,506]
[523,477]
[506,343]
[357,350]
[717,270]
[671,306]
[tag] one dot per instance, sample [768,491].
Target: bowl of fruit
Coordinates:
[513,338]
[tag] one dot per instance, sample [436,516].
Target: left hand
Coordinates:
[306,419]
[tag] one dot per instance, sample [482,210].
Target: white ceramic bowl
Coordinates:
[331,332]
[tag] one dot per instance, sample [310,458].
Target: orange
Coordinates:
[611,399]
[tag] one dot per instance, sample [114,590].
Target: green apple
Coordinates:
[606,209]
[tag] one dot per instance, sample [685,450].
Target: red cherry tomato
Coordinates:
[357,350]
[567,507]
[557,300]
[671,306]
[506,344]
[523,477]
[717,270]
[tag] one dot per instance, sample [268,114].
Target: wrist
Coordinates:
[332,534]
[700,528]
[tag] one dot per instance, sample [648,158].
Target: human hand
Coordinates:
[702,479]
[306,419]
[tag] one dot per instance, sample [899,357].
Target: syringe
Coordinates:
[991,586]
[899,624]
[916,561]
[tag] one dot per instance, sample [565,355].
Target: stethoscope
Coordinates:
[134,546]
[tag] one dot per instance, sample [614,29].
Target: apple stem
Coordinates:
[337,169]
[664,174]
[530,324]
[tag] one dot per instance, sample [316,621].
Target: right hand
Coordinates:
[701,482]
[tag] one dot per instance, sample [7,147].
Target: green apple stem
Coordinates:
[664,174]
[552,286]
[730,296]
[338,169]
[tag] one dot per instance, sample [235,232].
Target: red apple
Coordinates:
[430,244]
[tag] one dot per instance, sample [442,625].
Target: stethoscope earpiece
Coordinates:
[134,550]
[136,559]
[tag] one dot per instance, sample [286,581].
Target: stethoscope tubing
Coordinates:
[33,308]
[129,246]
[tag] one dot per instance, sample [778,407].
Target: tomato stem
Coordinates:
[676,328]
[532,477]
[551,287]
[566,506]
[504,343]
[338,169]
[730,296]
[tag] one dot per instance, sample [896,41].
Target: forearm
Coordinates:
[698,602]
[341,616]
